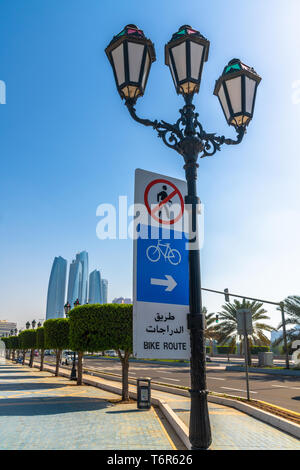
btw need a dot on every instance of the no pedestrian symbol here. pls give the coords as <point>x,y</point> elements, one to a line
<point>164,201</point>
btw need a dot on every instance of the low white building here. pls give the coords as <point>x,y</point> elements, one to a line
<point>6,327</point>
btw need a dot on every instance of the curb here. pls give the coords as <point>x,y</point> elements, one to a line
<point>290,373</point>
<point>178,426</point>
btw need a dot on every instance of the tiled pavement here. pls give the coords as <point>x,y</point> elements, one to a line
<point>234,430</point>
<point>40,411</point>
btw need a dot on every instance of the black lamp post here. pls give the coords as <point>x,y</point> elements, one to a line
<point>73,371</point>
<point>39,324</point>
<point>33,323</point>
<point>131,54</point>
<point>16,331</point>
<point>27,325</point>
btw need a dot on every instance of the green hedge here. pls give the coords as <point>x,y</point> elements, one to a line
<point>27,339</point>
<point>257,349</point>
<point>226,349</point>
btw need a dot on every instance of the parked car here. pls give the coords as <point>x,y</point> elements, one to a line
<point>111,353</point>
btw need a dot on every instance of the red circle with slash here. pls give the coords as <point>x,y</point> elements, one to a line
<point>152,212</point>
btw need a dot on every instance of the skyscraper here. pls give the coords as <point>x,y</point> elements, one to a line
<point>78,279</point>
<point>95,296</point>
<point>56,289</point>
<point>104,288</point>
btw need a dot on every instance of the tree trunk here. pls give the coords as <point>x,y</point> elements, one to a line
<point>58,354</point>
<point>31,358</point>
<point>125,367</point>
<point>42,359</point>
<point>13,355</point>
<point>79,368</point>
<point>211,347</point>
<point>24,354</point>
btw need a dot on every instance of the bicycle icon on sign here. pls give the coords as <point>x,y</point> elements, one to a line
<point>163,249</point>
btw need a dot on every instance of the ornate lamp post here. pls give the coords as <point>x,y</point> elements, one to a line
<point>33,323</point>
<point>27,325</point>
<point>39,324</point>
<point>131,55</point>
<point>73,371</point>
<point>67,308</point>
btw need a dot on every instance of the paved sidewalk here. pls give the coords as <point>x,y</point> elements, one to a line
<point>233,430</point>
<point>126,427</point>
<point>40,411</point>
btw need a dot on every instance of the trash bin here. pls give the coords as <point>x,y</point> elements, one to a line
<point>144,393</point>
<point>265,359</point>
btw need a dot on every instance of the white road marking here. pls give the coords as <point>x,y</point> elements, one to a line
<point>168,378</point>
<point>285,386</point>
<point>215,378</point>
<point>238,390</point>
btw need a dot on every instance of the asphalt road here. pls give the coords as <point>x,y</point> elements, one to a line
<point>279,390</point>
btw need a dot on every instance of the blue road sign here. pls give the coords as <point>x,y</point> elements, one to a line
<point>163,271</point>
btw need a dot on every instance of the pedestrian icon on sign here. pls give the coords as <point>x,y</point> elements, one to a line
<point>161,196</point>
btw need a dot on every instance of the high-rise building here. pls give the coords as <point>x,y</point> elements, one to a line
<point>56,289</point>
<point>95,296</point>
<point>104,288</point>
<point>78,279</point>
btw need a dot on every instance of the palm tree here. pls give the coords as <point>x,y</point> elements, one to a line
<point>227,329</point>
<point>292,308</point>
<point>210,332</point>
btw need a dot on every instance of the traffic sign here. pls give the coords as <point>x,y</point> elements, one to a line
<point>244,321</point>
<point>160,195</point>
<point>161,271</point>
<point>163,198</point>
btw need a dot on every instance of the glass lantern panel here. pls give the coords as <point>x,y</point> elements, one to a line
<point>135,55</point>
<point>179,55</point>
<point>146,69</point>
<point>250,90</point>
<point>196,58</point>
<point>234,87</point>
<point>172,72</point>
<point>222,98</point>
<point>118,59</point>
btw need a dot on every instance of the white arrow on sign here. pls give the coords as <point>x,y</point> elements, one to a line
<point>169,282</point>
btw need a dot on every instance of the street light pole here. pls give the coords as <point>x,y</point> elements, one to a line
<point>131,55</point>
<point>287,362</point>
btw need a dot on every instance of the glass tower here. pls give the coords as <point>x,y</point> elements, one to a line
<point>104,288</point>
<point>56,289</point>
<point>78,279</point>
<point>95,296</point>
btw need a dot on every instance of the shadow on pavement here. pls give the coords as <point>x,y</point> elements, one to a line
<point>50,405</point>
<point>28,386</point>
<point>18,377</point>
<point>126,411</point>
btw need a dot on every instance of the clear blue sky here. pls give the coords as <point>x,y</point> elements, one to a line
<point>67,144</point>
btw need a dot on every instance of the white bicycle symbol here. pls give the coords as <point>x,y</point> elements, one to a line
<point>155,252</point>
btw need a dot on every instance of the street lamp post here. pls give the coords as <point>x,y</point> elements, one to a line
<point>67,308</point>
<point>33,323</point>
<point>27,325</point>
<point>73,372</point>
<point>131,54</point>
